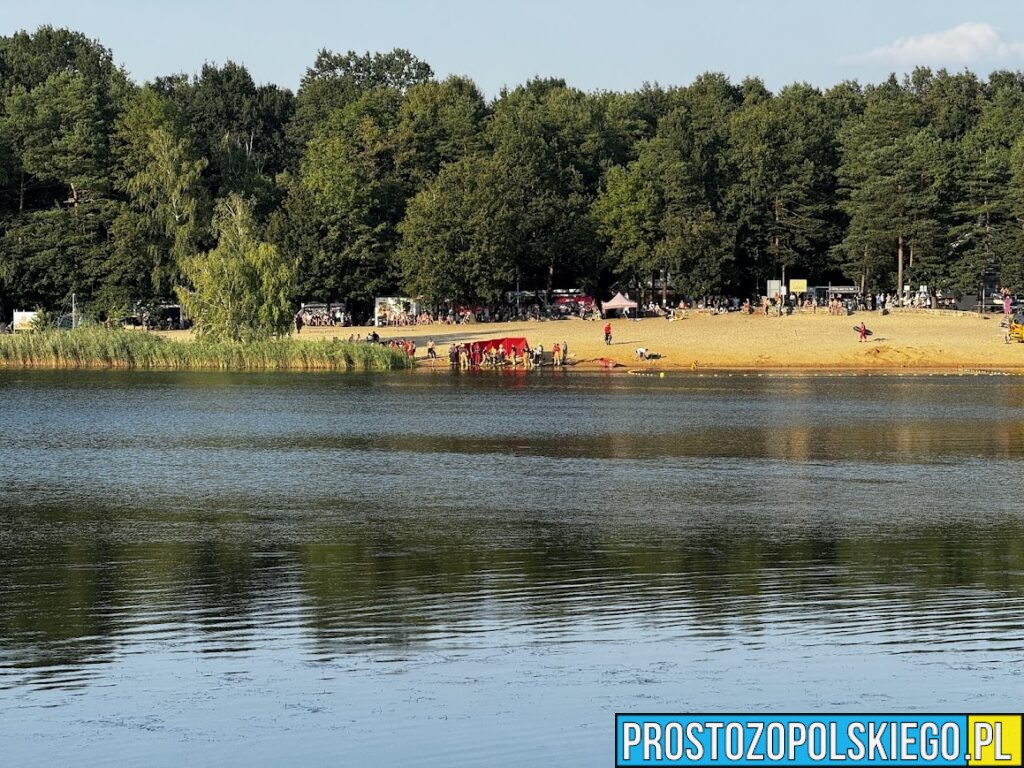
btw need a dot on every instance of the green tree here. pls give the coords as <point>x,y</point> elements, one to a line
<point>29,58</point>
<point>458,234</point>
<point>952,103</point>
<point>349,174</point>
<point>783,200</point>
<point>484,225</point>
<point>56,235</point>
<point>628,213</point>
<point>47,255</point>
<point>105,186</point>
<point>656,217</point>
<point>56,130</point>
<point>238,127</point>
<point>438,123</point>
<point>296,229</point>
<point>668,211</point>
<point>336,80</point>
<point>357,174</point>
<point>161,175</point>
<point>894,175</point>
<point>555,138</point>
<point>987,235</point>
<point>1010,257</point>
<point>240,290</point>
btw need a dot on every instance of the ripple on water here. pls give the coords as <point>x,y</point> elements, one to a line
<point>449,558</point>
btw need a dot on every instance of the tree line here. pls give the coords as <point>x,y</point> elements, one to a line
<point>376,177</point>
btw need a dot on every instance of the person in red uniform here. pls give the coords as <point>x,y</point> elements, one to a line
<point>607,333</point>
<point>863,330</point>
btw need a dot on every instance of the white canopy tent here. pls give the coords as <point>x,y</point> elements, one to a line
<point>618,301</point>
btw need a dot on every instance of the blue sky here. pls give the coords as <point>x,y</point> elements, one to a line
<point>594,45</point>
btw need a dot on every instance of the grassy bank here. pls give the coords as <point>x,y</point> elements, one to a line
<point>102,348</point>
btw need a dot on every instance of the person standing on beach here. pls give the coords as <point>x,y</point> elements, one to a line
<point>431,351</point>
<point>565,351</point>
<point>556,354</point>
<point>607,333</point>
<point>863,330</point>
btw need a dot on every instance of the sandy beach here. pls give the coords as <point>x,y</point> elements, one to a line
<point>912,340</point>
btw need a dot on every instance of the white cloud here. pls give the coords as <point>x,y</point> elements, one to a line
<point>963,44</point>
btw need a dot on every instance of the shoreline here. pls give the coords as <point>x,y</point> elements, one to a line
<point>903,343</point>
<point>905,340</point>
<point>620,373</point>
<point>587,367</point>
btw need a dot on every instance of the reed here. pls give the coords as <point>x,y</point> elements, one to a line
<point>96,347</point>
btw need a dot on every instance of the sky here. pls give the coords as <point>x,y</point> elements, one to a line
<point>593,44</point>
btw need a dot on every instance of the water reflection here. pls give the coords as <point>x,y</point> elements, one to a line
<point>74,599</point>
<point>418,521</point>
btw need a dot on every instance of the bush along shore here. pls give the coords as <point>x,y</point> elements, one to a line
<point>101,348</point>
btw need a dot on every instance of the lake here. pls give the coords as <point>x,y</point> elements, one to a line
<point>482,569</point>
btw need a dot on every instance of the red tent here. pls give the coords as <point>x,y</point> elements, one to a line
<point>508,344</point>
<point>585,301</point>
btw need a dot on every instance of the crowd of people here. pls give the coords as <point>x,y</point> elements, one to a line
<point>782,304</point>
<point>396,319</point>
<point>320,316</point>
<point>408,346</point>
<point>489,313</point>
<point>482,355</point>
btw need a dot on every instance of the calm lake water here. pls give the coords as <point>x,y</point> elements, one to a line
<point>425,569</point>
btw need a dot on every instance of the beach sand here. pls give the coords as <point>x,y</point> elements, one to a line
<point>913,340</point>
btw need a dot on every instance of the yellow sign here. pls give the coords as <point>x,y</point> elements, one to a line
<point>798,286</point>
<point>994,740</point>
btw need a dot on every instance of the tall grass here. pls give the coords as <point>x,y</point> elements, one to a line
<point>95,347</point>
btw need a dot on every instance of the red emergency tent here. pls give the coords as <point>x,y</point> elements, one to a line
<point>508,344</point>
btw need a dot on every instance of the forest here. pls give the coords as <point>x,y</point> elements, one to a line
<point>376,177</point>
